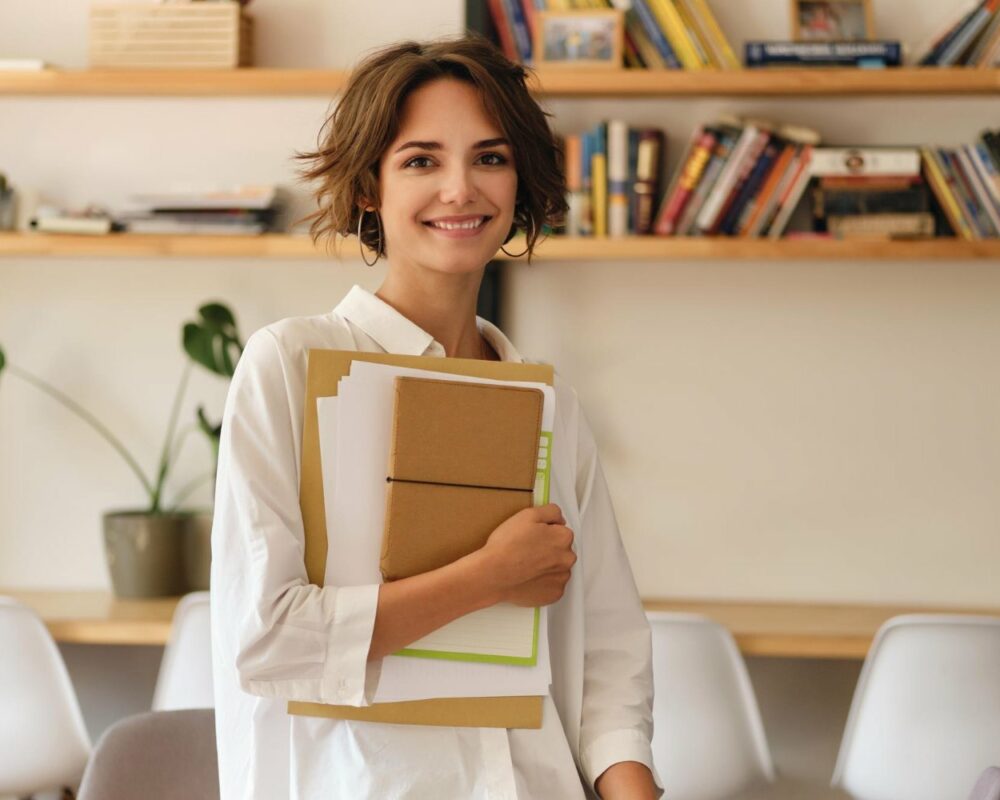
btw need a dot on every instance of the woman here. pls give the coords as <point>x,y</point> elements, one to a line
<point>434,156</point>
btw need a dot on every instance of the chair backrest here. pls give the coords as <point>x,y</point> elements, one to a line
<point>185,678</point>
<point>925,719</point>
<point>159,755</point>
<point>43,739</point>
<point>708,738</point>
<point>988,785</point>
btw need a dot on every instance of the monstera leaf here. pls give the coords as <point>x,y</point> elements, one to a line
<point>213,341</point>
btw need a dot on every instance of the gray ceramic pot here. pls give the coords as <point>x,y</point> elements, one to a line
<point>198,550</point>
<point>145,553</point>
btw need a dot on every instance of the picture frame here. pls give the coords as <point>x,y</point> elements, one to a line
<point>579,39</point>
<point>832,20</point>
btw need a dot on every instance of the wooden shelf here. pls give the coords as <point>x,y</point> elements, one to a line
<point>783,630</point>
<point>646,248</point>
<point>552,82</point>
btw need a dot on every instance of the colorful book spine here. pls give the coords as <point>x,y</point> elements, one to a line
<point>946,199</point>
<point>504,31</point>
<point>865,161</point>
<point>522,37</point>
<point>734,216</point>
<point>586,184</point>
<point>649,155</point>
<point>962,191</point>
<point>747,169</point>
<point>770,196</point>
<point>690,172</point>
<point>723,50</point>
<point>728,136</point>
<point>933,55</point>
<point>701,46</point>
<point>599,181</point>
<point>789,201</point>
<point>709,214</point>
<point>655,34</point>
<point>617,178</point>
<point>967,35</point>
<point>791,54</point>
<point>755,207</point>
<point>573,158</point>
<point>673,27</point>
<point>980,194</point>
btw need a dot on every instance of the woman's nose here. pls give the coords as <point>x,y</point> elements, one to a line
<point>459,186</point>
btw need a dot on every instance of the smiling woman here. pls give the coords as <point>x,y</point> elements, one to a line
<point>435,156</point>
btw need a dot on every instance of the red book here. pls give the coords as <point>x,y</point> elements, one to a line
<point>690,173</point>
<point>504,30</point>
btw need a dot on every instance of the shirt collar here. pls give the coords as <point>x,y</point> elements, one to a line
<point>396,333</point>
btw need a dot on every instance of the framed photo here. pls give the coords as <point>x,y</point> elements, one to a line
<point>579,39</point>
<point>832,20</point>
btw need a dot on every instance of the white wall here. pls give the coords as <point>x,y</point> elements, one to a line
<point>817,431</point>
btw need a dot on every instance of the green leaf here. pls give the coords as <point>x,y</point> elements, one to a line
<point>214,342</point>
<point>218,316</point>
<point>3,360</point>
<point>213,432</point>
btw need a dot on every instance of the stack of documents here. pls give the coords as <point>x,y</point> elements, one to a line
<point>366,433</point>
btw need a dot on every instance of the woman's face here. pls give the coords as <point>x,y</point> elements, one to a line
<point>448,182</point>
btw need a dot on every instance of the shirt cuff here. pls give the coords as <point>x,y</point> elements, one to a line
<point>613,747</point>
<point>350,639</point>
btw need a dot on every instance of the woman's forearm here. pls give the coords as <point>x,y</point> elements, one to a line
<point>626,780</point>
<point>410,608</point>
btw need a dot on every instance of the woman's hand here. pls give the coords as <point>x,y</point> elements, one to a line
<point>528,558</point>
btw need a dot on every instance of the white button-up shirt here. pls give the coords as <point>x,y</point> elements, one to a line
<point>276,637</point>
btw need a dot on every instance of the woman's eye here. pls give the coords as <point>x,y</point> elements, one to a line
<point>494,159</point>
<point>418,161</point>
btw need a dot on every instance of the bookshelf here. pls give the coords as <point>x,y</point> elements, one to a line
<point>635,248</point>
<point>258,82</point>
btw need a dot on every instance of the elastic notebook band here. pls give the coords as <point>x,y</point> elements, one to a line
<point>462,485</point>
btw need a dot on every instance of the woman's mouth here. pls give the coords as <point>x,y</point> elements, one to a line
<point>458,227</point>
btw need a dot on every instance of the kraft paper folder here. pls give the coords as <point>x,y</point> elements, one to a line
<point>326,368</point>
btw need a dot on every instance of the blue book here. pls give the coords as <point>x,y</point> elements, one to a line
<point>963,40</point>
<point>751,186</point>
<point>789,54</point>
<point>933,57</point>
<point>655,34</point>
<point>520,27</point>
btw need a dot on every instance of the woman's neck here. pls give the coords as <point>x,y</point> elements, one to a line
<point>442,305</point>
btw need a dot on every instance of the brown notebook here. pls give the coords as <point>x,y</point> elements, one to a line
<point>463,460</point>
<point>326,368</point>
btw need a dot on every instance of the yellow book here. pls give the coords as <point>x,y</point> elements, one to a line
<point>599,193</point>
<point>673,26</point>
<point>702,46</point>
<point>710,25</point>
<point>942,191</point>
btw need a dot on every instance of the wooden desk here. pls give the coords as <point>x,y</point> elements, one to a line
<point>785,630</point>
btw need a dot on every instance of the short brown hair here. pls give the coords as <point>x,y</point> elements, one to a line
<point>366,121</point>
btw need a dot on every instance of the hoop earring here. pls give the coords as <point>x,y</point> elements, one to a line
<point>511,255</point>
<point>361,244</point>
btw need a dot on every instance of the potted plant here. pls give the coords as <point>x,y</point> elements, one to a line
<point>146,548</point>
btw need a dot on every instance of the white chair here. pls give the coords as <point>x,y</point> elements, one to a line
<point>925,719</point>
<point>43,741</point>
<point>708,738</point>
<point>185,678</point>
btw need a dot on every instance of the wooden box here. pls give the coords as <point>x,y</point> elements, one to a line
<point>195,35</point>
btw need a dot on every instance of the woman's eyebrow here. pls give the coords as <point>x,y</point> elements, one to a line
<point>438,146</point>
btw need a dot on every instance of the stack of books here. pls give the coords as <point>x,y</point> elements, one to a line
<point>973,41</point>
<point>738,178</point>
<point>659,34</point>
<point>966,182</point>
<point>612,179</point>
<point>239,211</point>
<point>870,193</point>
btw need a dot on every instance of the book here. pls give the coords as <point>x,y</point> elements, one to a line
<point>761,54</point>
<point>958,190</point>
<point>932,55</point>
<point>696,36</point>
<point>650,155</point>
<point>618,203</point>
<point>733,216</point>
<point>984,202</point>
<point>689,173</point>
<point>952,53</point>
<point>880,225</point>
<point>728,136</point>
<point>655,33</point>
<point>503,25</point>
<point>865,161</point>
<point>574,184</point>
<point>758,206</point>
<point>789,200</point>
<point>747,146</point>
<point>670,21</point>
<point>712,32</point>
<point>23,65</point>
<point>769,204</point>
<point>946,200</point>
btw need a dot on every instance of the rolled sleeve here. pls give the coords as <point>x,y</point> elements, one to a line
<point>616,720</point>
<point>276,634</point>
